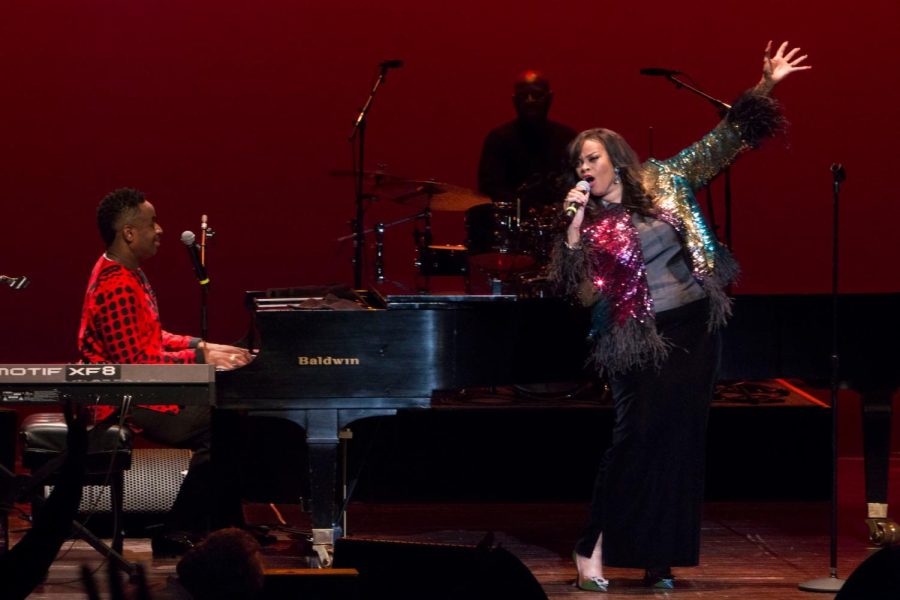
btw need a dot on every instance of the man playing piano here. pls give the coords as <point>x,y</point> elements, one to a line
<point>120,324</point>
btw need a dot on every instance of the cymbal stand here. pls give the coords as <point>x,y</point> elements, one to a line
<point>418,215</point>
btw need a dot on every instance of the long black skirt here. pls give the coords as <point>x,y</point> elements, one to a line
<point>648,496</point>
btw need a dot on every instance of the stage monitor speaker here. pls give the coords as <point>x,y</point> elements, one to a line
<point>311,584</point>
<point>409,570</point>
<point>876,578</point>
<point>8,420</point>
<point>151,484</point>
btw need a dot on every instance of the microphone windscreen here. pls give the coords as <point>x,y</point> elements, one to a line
<point>188,238</point>
<point>582,185</point>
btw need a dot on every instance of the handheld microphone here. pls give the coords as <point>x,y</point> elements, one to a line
<point>188,239</point>
<point>572,209</point>
<point>16,283</point>
<point>656,72</point>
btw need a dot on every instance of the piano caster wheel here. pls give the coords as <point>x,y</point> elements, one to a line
<point>325,554</point>
<point>323,545</point>
<point>883,532</point>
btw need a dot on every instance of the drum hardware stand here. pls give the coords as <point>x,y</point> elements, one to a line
<point>832,583</point>
<point>496,286</point>
<point>379,230</point>
<point>379,252</point>
<point>359,130</point>
<point>423,239</point>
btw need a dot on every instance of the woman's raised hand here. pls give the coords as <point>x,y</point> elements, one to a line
<point>785,62</point>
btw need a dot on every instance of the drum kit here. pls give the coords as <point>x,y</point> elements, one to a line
<point>506,242</point>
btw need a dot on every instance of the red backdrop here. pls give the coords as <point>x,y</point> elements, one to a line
<point>240,109</point>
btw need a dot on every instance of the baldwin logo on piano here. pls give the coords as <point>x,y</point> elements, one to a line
<point>326,361</point>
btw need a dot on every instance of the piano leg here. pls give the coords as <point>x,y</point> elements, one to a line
<point>876,409</point>
<point>321,427</point>
<point>322,442</point>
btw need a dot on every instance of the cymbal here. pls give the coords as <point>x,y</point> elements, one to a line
<point>373,178</point>
<point>412,191</point>
<point>456,198</point>
<point>397,189</point>
<point>444,196</point>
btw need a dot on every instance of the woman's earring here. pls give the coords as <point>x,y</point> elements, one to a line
<point>617,179</point>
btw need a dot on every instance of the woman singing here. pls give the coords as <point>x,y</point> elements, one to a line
<point>639,252</point>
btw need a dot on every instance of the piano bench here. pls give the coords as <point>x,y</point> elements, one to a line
<point>108,457</point>
<point>44,438</point>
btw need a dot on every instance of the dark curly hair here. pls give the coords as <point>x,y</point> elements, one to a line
<point>112,208</point>
<point>225,566</point>
<point>634,197</point>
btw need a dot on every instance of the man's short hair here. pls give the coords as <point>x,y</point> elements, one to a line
<point>111,210</point>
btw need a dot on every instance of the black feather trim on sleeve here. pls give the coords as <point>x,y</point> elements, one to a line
<point>568,268</point>
<point>757,117</point>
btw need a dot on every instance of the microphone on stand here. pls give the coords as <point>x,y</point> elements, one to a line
<point>189,239</point>
<point>838,172</point>
<point>657,72</point>
<point>391,64</point>
<point>585,186</point>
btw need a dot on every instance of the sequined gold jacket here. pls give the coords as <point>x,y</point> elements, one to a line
<point>609,259</point>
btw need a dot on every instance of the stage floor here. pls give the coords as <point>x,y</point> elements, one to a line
<point>449,476</point>
<point>750,549</point>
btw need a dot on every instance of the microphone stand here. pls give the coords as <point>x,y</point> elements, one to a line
<point>722,107</point>
<point>359,130</point>
<point>206,233</point>
<point>832,583</point>
<point>204,302</point>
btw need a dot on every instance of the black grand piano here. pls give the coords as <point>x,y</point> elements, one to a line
<point>324,369</point>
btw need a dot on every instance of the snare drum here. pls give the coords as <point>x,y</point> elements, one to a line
<point>497,242</point>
